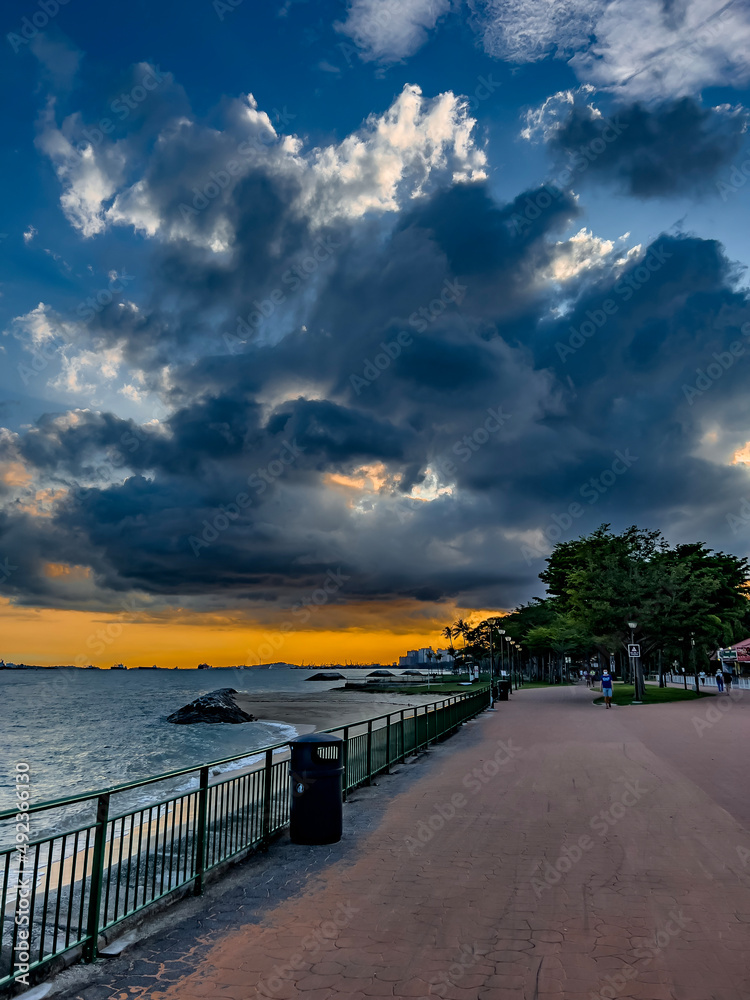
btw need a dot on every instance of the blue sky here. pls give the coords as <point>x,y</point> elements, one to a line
<point>402,149</point>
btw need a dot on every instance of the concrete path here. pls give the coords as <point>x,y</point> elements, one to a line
<point>553,849</point>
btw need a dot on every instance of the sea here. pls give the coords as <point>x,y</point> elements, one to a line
<point>84,730</point>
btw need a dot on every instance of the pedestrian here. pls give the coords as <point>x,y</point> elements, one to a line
<point>728,678</point>
<point>703,676</point>
<point>607,687</point>
<point>588,679</point>
<point>719,680</point>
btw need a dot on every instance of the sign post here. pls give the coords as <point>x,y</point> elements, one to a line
<point>634,652</point>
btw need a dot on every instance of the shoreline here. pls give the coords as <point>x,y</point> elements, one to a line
<point>329,709</point>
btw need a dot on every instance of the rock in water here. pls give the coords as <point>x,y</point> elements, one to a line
<point>216,706</point>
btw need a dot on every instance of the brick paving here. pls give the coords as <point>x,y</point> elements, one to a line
<point>550,850</point>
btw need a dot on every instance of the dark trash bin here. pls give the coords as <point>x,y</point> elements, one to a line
<point>316,769</point>
<point>503,690</point>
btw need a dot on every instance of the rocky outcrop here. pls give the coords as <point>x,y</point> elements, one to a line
<point>216,706</point>
<point>327,675</point>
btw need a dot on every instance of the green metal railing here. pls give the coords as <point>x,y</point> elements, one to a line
<point>71,884</point>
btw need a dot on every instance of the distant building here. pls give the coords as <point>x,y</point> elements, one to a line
<point>419,657</point>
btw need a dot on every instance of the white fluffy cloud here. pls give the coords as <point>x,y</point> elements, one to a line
<point>641,49</point>
<point>390,30</point>
<point>417,145</point>
<point>543,120</point>
<point>89,177</point>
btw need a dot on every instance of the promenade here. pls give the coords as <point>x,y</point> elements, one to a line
<point>550,850</point>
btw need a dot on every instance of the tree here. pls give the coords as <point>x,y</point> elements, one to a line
<point>563,635</point>
<point>605,580</point>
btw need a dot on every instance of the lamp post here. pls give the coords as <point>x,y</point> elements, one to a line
<point>692,660</point>
<point>491,624</point>
<point>635,663</point>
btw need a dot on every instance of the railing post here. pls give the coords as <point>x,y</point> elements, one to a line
<point>388,745</point>
<point>369,751</point>
<point>200,849</point>
<point>403,738</point>
<point>267,789</point>
<point>97,878</point>
<point>346,760</point>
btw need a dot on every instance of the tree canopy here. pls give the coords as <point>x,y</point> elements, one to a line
<point>680,597</point>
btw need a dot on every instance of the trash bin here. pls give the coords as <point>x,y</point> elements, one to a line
<point>503,690</point>
<point>316,770</point>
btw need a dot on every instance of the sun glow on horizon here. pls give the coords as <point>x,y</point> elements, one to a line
<point>176,637</point>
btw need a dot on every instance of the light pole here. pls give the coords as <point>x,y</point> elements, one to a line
<point>635,663</point>
<point>692,660</point>
<point>501,633</point>
<point>491,624</point>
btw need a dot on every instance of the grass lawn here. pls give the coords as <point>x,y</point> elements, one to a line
<point>622,694</point>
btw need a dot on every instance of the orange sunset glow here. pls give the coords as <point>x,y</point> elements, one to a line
<point>366,633</point>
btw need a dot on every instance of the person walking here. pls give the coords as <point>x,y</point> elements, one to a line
<point>728,678</point>
<point>719,680</point>
<point>607,687</point>
<point>703,676</point>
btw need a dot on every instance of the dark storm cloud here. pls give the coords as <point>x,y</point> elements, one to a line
<point>245,490</point>
<point>678,148</point>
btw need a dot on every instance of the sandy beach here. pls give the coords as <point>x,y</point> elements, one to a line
<point>325,709</point>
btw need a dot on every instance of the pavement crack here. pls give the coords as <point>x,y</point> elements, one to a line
<point>536,978</point>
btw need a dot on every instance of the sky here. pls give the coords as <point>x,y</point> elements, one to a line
<point>323,322</point>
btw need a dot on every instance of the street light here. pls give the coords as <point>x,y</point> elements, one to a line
<point>634,665</point>
<point>491,624</point>
<point>692,663</point>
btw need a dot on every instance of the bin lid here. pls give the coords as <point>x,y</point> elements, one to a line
<point>317,738</point>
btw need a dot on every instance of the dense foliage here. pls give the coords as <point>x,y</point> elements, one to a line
<point>686,600</point>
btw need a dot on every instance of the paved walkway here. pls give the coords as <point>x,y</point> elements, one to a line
<point>552,849</point>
